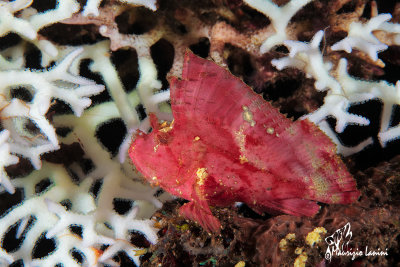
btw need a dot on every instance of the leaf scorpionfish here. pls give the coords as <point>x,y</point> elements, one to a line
<point>227,144</point>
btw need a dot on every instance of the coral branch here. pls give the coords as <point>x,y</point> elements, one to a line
<point>92,6</point>
<point>56,83</point>
<point>6,159</point>
<point>360,37</point>
<point>280,17</point>
<point>308,57</point>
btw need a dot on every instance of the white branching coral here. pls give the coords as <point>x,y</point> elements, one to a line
<point>34,213</point>
<point>340,148</point>
<point>96,216</point>
<point>29,22</point>
<point>42,209</point>
<point>64,9</point>
<point>359,91</point>
<point>30,132</point>
<point>9,23</point>
<point>95,234</point>
<point>92,6</point>
<point>360,36</point>
<point>66,218</point>
<point>309,59</point>
<point>122,226</point>
<point>280,18</point>
<point>147,93</point>
<point>57,83</point>
<point>5,258</point>
<point>100,223</point>
<point>343,91</point>
<point>67,244</point>
<point>6,159</point>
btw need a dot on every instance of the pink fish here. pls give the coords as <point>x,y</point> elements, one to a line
<point>227,144</point>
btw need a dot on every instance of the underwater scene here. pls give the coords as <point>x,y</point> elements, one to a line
<point>209,133</point>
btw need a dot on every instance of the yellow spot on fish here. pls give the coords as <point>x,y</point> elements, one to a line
<point>291,130</point>
<point>156,147</point>
<point>196,138</point>
<point>270,130</point>
<point>320,186</point>
<point>165,127</point>
<point>201,175</point>
<point>240,264</point>
<point>155,180</point>
<point>241,139</point>
<point>243,159</point>
<point>248,116</point>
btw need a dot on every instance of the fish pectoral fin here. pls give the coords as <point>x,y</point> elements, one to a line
<point>200,212</point>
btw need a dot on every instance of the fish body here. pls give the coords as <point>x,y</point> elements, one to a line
<point>227,144</point>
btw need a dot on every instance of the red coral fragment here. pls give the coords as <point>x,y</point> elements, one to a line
<point>227,144</point>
